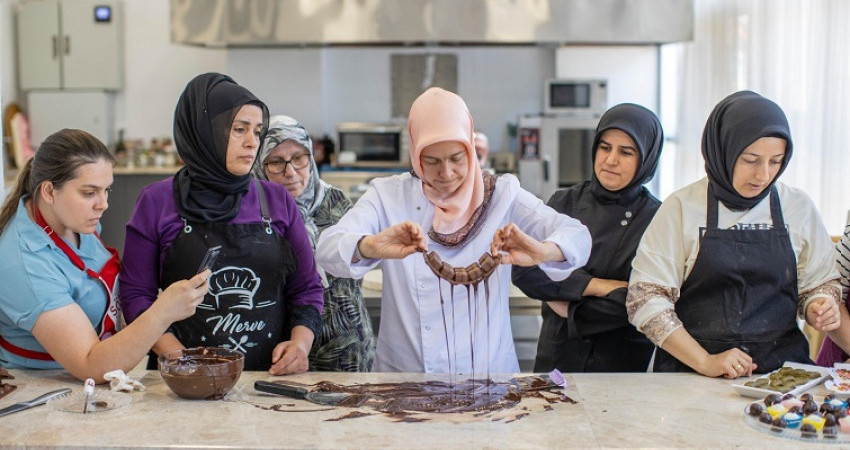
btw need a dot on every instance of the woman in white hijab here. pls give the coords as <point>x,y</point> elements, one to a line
<point>346,342</point>
<point>425,325</point>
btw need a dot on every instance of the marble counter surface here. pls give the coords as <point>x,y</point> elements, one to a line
<point>613,410</point>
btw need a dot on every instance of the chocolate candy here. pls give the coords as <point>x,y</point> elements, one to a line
<point>808,430</point>
<point>810,407</point>
<point>830,432</point>
<point>771,399</point>
<point>829,420</point>
<point>778,424</point>
<point>755,409</point>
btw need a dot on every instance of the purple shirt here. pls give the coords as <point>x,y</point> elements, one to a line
<point>155,224</point>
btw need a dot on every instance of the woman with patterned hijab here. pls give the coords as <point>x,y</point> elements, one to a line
<point>426,325</point>
<point>346,342</point>
<point>730,262</point>
<point>585,326</point>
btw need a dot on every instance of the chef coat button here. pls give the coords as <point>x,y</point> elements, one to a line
<point>421,285</point>
<point>418,208</point>
<point>428,368</point>
<point>427,327</point>
<point>628,214</point>
<point>624,222</point>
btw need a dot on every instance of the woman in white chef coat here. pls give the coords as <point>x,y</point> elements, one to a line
<point>729,262</point>
<point>426,325</point>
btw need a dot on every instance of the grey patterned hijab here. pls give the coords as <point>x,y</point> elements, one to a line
<point>285,128</point>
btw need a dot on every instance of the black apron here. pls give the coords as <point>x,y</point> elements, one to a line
<point>569,348</point>
<point>245,309</point>
<point>742,292</point>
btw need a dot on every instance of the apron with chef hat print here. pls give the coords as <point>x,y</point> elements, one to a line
<point>742,293</point>
<point>244,309</point>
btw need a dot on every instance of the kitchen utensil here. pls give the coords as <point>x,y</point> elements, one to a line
<point>88,390</point>
<point>40,400</point>
<point>102,401</point>
<point>321,398</point>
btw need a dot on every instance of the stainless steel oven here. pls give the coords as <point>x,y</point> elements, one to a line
<point>555,152</point>
<point>372,144</point>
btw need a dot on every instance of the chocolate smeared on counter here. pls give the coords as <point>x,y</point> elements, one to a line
<point>474,400</point>
<point>6,388</point>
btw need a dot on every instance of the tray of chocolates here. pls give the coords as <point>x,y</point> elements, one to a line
<point>793,378</point>
<point>793,417</point>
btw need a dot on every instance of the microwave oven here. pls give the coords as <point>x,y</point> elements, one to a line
<point>586,97</point>
<point>372,144</point>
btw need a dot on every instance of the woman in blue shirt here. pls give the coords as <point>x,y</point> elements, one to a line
<point>57,305</point>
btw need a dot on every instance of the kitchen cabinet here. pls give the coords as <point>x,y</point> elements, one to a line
<point>70,44</point>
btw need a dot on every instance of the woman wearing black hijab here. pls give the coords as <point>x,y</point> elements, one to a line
<point>265,295</point>
<point>730,261</point>
<point>585,326</point>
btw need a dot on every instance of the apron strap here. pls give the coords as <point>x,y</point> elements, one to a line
<point>107,274</point>
<point>775,210</point>
<point>264,206</point>
<point>711,210</point>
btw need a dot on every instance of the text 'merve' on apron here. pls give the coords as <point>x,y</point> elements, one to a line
<point>244,309</point>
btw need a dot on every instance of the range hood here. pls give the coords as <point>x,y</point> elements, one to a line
<point>298,23</point>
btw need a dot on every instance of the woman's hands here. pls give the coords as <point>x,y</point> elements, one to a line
<point>291,356</point>
<point>561,308</point>
<point>179,300</point>
<point>395,242</point>
<point>513,246</point>
<point>732,363</point>
<point>823,314</point>
<point>600,287</point>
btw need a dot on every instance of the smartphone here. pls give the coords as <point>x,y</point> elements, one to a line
<point>209,258</point>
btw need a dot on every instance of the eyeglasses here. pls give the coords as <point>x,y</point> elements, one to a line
<point>279,165</point>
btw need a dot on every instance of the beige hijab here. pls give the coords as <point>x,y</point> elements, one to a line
<point>438,116</point>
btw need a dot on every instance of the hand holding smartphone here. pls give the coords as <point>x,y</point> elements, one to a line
<point>209,258</point>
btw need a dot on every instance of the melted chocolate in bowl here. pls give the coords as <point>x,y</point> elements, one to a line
<point>201,372</point>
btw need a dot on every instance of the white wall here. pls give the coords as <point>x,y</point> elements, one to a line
<point>322,87</point>
<point>155,70</point>
<point>632,71</point>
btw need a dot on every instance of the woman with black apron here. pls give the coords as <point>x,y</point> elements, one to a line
<point>730,262</point>
<point>585,326</point>
<point>265,296</point>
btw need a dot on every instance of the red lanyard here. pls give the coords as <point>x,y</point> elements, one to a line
<point>107,275</point>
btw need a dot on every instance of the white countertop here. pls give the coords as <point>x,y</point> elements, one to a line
<point>613,410</point>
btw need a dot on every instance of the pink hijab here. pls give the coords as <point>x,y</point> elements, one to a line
<point>438,116</point>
